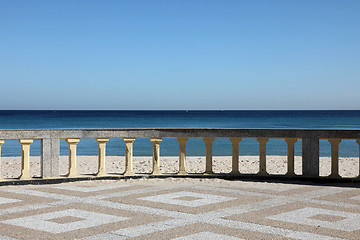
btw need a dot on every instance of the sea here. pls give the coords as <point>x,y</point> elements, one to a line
<point>85,119</point>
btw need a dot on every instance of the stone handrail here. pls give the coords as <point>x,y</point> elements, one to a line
<point>50,148</point>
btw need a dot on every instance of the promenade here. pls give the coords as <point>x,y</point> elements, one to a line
<point>180,208</point>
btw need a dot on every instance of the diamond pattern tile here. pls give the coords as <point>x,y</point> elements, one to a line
<point>348,221</point>
<point>43,222</point>
<point>179,210</point>
<point>198,199</point>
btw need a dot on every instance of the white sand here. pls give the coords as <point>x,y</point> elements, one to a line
<point>348,167</point>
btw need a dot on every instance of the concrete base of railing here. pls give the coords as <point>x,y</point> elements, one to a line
<point>243,177</point>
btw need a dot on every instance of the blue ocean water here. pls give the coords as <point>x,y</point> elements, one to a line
<point>181,119</point>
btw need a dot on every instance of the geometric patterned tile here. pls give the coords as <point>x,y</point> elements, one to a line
<point>8,200</point>
<point>356,198</point>
<point>188,200</point>
<point>89,188</point>
<point>214,209</point>
<point>207,235</point>
<point>329,221</point>
<point>85,190</point>
<point>328,218</point>
<point>71,221</point>
<point>2,237</point>
<point>351,196</point>
<point>65,219</point>
<point>207,231</point>
<point>348,221</point>
<point>269,186</point>
<point>194,199</point>
<point>45,222</point>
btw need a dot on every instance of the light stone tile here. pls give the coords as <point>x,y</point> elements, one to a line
<point>153,227</point>
<point>42,221</point>
<point>43,194</point>
<point>232,190</point>
<point>207,235</point>
<point>28,207</point>
<point>202,199</point>
<point>8,200</point>
<point>105,236</point>
<point>355,198</point>
<point>269,229</point>
<point>141,209</point>
<point>221,213</point>
<point>7,238</point>
<point>277,187</point>
<point>133,192</point>
<point>182,219</point>
<point>320,193</point>
<point>89,188</point>
<point>304,216</point>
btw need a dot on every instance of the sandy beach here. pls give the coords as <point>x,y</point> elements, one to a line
<point>10,166</point>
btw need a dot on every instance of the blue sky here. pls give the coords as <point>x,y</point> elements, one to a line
<point>180,54</point>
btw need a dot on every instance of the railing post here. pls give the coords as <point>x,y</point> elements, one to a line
<point>291,156</point>
<point>334,157</point>
<point>235,155</point>
<point>1,143</point>
<point>208,146</point>
<point>310,156</point>
<point>25,159</point>
<point>50,155</point>
<point>182,154</point>
<point>72,156</point>
<point>358,142</point>
<point>156,155</point>
<point>129,156</point>
<point>102,153</point>
<point>262,155</point>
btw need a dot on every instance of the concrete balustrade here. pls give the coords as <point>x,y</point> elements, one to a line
<point>262,155</point>
<point>182,155</point>
<point>128,156</point>
<point>25,159</point>
<point>156,155</point>
<point>50,148</point>
<point>291,156</point>
<point>208,145</point>
<point>72,156</point>
<point>358,142</point>
<point>1,143</point>
<point>235,155</point>
<point>102,152</point>
<point>334,157</point>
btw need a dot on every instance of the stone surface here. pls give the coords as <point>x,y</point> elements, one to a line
<point>180,209</point>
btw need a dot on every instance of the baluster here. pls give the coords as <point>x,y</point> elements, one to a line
<point>129,156</point>
<point>334,157</point>
<point>25,159</point>
<point>262,155</point>
<point>358,142</point>
<point>182,154</point>
<point>1,143</point>
<point>72,142</point>
<point>235,155</point>
<point>208,146</point>
<point>102,154</point>
<point>291,155</point>
<point>156,155</point>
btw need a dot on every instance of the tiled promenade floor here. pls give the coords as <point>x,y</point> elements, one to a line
<point>179,209</point>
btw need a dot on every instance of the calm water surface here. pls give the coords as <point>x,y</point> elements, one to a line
<point>181,119</point>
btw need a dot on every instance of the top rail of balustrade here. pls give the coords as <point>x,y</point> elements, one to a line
<point>178,132</point>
